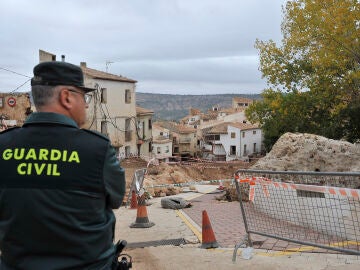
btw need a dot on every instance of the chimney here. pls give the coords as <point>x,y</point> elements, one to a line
<point>63,58</point>
<point>83,64</point>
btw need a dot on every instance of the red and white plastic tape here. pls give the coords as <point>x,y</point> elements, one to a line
<point>264,182</point>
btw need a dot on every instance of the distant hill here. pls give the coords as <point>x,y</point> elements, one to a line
<point>175,107</point>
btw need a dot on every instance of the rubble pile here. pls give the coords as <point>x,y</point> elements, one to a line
<point>309,152</point>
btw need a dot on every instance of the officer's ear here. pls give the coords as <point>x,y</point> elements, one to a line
<point>65,98</point>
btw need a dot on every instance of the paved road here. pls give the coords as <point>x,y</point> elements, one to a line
<point>186,224</point>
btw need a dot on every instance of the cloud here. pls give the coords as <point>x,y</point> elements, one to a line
<point>198,45</point>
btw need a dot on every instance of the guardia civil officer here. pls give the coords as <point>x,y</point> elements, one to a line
<point>58,183</point>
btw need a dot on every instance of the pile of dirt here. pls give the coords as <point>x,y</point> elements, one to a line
<point>177,173</point>
<point>309,152</point>
<point>191,172</point>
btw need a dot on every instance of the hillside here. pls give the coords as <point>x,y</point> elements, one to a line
<point>175,107</point>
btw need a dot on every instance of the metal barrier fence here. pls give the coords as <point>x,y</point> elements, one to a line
<point>308,208</point>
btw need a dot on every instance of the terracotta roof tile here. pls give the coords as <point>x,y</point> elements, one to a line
<point>218,129</point>
<point>140,110</point>
<point>223,127</point>
<point>96,74</point>
<point>243,100</point>
<point>243,126</point>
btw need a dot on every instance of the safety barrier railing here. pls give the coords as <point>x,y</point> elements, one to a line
<point>308,208</point>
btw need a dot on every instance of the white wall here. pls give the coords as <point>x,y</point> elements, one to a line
<point>165,150</point>
<point>333,214</point>
<point>114,112</point>
<point>239,141</point>
<point>156,132</point>
<point>249,140</point>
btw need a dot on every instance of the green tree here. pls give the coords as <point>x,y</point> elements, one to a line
<point>314,75</point>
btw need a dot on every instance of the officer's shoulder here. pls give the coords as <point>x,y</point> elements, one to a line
<point>9,130</point>
<point>96,133</point>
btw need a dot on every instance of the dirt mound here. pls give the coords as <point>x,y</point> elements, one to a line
<point>181,173</point>
<point>309,152</point>
<point>177,173</point>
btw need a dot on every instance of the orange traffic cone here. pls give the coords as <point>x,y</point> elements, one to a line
<point>134,203</point>
<point>142,220</point>
<point>208,236</point>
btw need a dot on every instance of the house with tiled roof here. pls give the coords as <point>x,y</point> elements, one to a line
<point>184,139</point>
<point>162,144</point>
<point>112,110</point>
<point>193,119</point>
<point>231,141</point>
<point>241,102</point>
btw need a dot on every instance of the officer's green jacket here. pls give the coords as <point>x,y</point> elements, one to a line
<point>58,186</point>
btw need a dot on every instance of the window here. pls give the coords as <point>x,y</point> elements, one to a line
<point>103,96</point>
<point>245,150</point>
<point>254,132</point>
<point>167,149</point>
<point>232,135</point>
<point>104,128</point>
<point>150,147</point>
<point>161,133</point>
<point>127,96</point>
<point>254,150</point>
<point>217,137</point>
<point>150,124</point>
<point>127,130</point>
<point>143,129</point>
<point>243,134</point>
<point>232,149</point>
<point>158,150</point>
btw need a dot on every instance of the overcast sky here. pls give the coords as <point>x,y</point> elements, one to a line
<point>168,46</point>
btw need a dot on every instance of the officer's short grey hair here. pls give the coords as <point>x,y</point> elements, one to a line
<point>44,94</point>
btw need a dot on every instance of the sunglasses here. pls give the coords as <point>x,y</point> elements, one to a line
<point>87,97</point>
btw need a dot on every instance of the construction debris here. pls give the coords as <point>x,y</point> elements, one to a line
<point>309,152</point>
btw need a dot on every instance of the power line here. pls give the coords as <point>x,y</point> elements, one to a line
<point>17,73</point>
<point>19,86</point>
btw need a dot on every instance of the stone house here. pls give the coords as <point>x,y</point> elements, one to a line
<point>14,108</point>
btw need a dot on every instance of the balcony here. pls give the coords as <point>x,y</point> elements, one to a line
<point>185,140</point>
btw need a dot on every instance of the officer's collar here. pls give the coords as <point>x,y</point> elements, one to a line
<point>49,118</point>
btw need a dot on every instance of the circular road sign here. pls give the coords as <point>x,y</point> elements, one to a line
<point>11,102</point>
